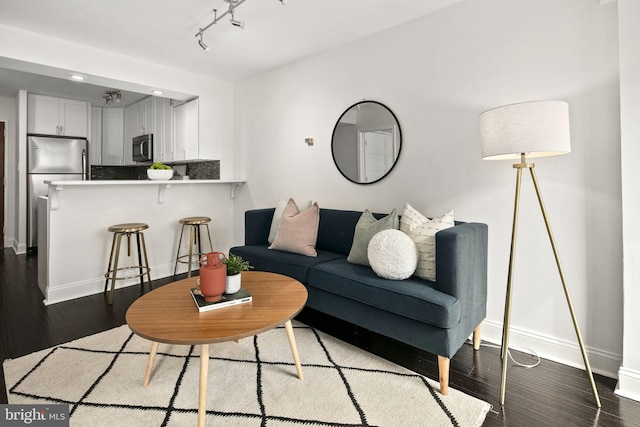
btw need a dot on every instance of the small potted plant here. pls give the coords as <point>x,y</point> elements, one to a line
<point>235,265</point>
<point>159,170</point>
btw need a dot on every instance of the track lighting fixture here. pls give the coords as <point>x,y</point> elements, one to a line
<point>202,44</point>
<point>233,4</point>
<point>112,96</point>
<point>235,23</point>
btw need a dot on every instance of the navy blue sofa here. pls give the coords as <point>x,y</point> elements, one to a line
<point>437,317</point>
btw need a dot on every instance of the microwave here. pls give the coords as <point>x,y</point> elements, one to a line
<point>143,148</point>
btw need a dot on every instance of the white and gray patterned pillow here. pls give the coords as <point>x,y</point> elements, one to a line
<point>422,231</point>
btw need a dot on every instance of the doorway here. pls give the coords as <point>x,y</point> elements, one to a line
<point>2,139</point>
<point>375,154</point>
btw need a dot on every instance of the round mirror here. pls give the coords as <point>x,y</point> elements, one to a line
<point>366,142</point>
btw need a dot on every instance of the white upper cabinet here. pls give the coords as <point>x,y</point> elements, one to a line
<point>95,141</point>
<point>57,116</point>
<point>139,118</point>
<point>185,131</point>
<point>131,129</point>
<point>112,137</point>
<point>162,147</point>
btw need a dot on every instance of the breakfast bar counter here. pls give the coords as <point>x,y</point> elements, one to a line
<point>74,243</point>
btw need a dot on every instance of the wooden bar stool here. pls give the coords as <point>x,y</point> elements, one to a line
<point>194,223</point>
<point>127,230</point>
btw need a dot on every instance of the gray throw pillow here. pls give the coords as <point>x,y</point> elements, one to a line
<point>367,227</point>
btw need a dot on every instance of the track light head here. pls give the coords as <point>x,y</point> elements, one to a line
<point>112,96</point>
<point>283,2</point>
<point>238,24</point>
<point>202,44</point>
<point>233,21</point>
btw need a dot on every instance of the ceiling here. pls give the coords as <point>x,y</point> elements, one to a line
<point>163,31</point>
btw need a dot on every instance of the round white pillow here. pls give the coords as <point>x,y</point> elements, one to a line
<point>392,255</point>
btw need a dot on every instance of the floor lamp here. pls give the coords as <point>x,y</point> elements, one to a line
<point>518,131</point>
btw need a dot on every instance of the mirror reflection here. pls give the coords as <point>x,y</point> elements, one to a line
<point>366,142</point>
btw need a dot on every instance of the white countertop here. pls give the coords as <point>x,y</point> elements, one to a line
<point>161,185</point>
<point>145,182</point>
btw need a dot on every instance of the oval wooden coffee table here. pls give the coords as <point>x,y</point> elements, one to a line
<point>169,315</point>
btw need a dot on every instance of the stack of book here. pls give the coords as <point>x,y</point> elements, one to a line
<point>227,300</point>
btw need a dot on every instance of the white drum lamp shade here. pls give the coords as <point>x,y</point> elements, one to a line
<point>537,129</point>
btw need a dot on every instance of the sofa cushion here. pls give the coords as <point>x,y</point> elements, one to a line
<point>413,298</point>
<point>367,227</point>
<point>335,232</point>
<point>298,230</point>
<point>292,265</point>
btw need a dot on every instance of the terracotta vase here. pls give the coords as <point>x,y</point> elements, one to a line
<point>213,276</point>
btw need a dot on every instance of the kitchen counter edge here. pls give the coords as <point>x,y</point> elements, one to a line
<point>146,182</point>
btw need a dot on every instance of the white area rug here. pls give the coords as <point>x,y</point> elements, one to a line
<point>251,383</point>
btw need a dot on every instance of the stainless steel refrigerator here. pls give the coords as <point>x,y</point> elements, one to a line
<point>51,158</point>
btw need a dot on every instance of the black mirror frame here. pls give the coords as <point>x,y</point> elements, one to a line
<point>399,145</point>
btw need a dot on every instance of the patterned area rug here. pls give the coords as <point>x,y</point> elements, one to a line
<point>251,383</point>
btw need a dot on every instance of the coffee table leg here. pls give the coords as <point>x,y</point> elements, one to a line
<point>204,372</point>
<point>294,348</point>
<point>152,357</point>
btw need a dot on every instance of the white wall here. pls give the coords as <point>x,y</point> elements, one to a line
<point>629,14</point>
<point>8,115</point>
<point>87,242</point>
<point>18,169</point>
<point>437,74</point>
<point>216,97</point>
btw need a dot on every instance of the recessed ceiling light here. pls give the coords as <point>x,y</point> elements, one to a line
<point>157,92</point>
<point>77,77</point>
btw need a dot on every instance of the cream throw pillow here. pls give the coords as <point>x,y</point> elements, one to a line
<point>277,215</point>
<point>422,231</point>
<point>298,231</point>
<point>393,255</point>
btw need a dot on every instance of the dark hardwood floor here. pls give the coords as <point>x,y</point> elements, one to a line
<point>548,395</point>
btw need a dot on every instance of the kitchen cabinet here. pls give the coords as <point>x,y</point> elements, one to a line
<point>185,131</point>
<point>113,137</point>
<point>57,116</point>
<point>151,115</point>
<point>139,117</point>
<point>162,146</point>
<point>130,130</point>
<point>95,140</point>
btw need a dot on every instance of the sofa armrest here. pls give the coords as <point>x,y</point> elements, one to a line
<point>257,223</point>
<point>461,263</point>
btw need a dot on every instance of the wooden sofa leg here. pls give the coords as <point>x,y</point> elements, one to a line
<point>476,337</point>
<point>443,371</point>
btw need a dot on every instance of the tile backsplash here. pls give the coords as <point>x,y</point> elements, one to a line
<point>205,169</point>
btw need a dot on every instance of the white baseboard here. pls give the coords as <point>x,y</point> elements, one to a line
<point>628,383</point>
<point>96,286</point>
<point>565,352</point>
<point>19,248</point>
